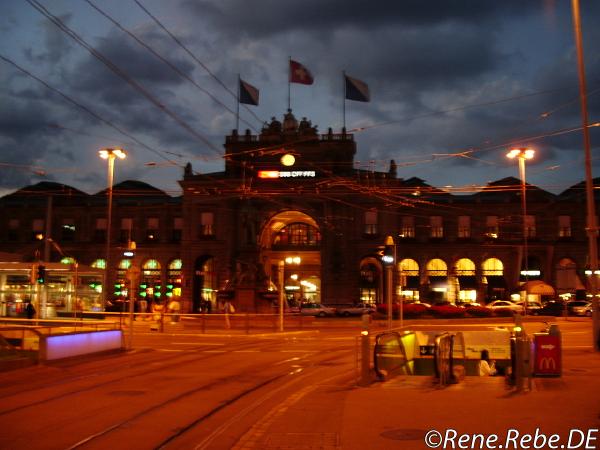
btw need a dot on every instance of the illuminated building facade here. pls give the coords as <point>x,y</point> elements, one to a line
<point>293,207</point>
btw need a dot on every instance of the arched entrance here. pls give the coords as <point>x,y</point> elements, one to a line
<point>290,254</point>
<point>493,276</point>
<point>204,285</point>
<point>568,283</point>
<point>437,278</point>
<point>465,281</point>
<point>410,280</point>
<point>371,281</point>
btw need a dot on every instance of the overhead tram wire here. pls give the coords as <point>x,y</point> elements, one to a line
<point>121,73</point>
<point>166,61</point>
<point>195,58</point>
<point>446,111</point>
<point>85,108</point>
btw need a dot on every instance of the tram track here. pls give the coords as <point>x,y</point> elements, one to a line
<point>165,363</point>
<point>323,362</point>
<point>166,400</point>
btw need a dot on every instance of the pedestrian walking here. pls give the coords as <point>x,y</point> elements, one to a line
<point>30,310</point>
<point>174,308</point>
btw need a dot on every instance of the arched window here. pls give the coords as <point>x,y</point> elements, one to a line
<point>370,274</point>
<point>173,288</point>
<point>297,234</point>
<point>464,267</point>
<point>567,280</point>
<point>410,280</point>
<point>492,266</point>
<point>99,264</point>
<point>150,287</point>
<point>437,268</point>
<point>493,276</point>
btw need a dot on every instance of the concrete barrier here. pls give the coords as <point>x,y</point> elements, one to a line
<point>68,345</point>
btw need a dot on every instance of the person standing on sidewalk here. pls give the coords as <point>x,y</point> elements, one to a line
<point>485,366</point>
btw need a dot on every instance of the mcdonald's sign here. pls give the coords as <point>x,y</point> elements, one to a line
<point>547,359</point>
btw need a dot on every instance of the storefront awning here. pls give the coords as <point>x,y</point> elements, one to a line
<point>496,281</point>
<point>413,282</point>
<point>467,282</point>
<point>537,287</point>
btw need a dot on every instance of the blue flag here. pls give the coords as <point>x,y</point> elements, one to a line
<point>248,94</point>
<point>357,90</point>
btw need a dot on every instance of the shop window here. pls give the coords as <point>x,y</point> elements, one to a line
<point>152,229</point>
<point>67,230</point>
<point>371,222</point>
<point>436,227</point>
<point>407,229</point>
<point>207,224</point>
<point>464,227</point>
<point>564,226</point>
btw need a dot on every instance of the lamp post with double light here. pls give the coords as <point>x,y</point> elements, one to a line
<point>523,154</point>
<point>289,260</point>
<point>592,225</point>
<point>388,259</point>
<point>110,154</point>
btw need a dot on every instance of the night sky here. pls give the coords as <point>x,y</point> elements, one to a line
<point>454,85</point>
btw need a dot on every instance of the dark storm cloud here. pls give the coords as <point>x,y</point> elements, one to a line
<point>93,77</point>
<point>265,17</point>
<point>25,138</point>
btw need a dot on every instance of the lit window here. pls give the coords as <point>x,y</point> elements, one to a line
<point>530,226</point>
<point>564,226</point>
<point>464,227</point>
<point>207,224</point>
<point>407,229</point>
<point>492,230</point>
<point>437,228</point>
<point>371,222</point>
<point>126,227</point>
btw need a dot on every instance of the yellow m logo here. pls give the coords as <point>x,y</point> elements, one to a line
<point>547,363</point>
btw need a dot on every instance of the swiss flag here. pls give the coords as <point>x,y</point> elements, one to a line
<point>299,73</point>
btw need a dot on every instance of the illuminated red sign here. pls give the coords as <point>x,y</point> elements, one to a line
<point>286,174</point>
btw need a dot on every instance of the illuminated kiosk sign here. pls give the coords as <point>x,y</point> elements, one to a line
<point>286,174</point>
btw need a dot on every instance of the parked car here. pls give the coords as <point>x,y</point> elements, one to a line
<point>354,310</point>
<point>447,309</point>
<point>552,308</point>
<point>505,305</point>
<point>316,309</point>
<point>580,308</point>
<point>533,306</point>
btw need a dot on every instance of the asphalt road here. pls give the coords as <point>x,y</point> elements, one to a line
<point>190,390</point>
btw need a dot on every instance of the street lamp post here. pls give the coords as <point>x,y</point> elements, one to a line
<point>296,260</point>
<point>388,260</point>
<point>109,154</point>
<point>592,228</point>
<point>523,154</point>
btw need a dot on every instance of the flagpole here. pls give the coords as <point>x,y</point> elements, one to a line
<point>344,103</point>
<point>289,82</point>
<point>237,116</point>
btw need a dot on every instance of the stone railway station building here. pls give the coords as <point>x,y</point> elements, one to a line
<point>292,211</point>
